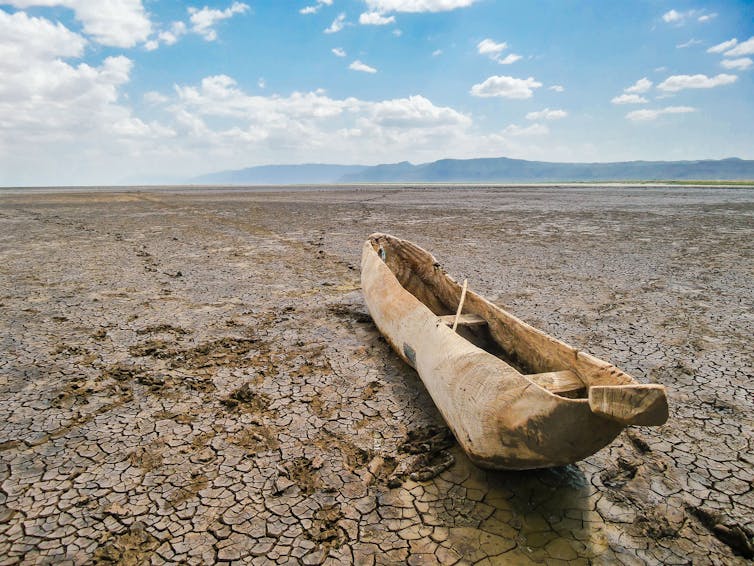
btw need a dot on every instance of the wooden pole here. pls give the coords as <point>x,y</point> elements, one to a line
<point>460,304</point>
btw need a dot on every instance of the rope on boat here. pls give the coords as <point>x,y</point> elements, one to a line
<point>460,304</point>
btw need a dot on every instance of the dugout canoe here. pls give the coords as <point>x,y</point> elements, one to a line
<point>514,397</point>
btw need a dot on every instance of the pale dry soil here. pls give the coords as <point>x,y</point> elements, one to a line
<point>192,376</point>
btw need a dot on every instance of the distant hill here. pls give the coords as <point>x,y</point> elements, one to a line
<point>311,173</point>
<point>502,169</point>
<point>485,170</point>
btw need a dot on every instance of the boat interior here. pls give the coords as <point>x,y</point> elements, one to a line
<point>479,322</point>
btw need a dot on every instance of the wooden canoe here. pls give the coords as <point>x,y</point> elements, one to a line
<point>514,397</point>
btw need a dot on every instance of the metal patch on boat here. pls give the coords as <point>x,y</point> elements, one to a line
<point>410,354</point>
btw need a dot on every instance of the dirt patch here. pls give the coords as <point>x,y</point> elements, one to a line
<point>256,438</point>
<point>304,475</point>
<point>226,352</point>
<point>132,548</point>
<point>162,329</point>
<point>325,530</point>
<point>245,398</point>
<point>423,456</point>
<point>739,538</point>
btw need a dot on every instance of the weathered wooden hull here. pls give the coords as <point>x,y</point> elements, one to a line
<point>500,417</point>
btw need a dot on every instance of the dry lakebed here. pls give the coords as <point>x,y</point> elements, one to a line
<point>191,375</point>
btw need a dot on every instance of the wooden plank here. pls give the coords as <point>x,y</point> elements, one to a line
<point>560,382</point>
<point>464,320</point>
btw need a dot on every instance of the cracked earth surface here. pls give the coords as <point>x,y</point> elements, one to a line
<point>192,376</point>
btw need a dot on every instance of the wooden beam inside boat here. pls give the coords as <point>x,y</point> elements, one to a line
<point>468,320</point>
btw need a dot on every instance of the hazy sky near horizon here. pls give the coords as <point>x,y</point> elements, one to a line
<point>126,91</point>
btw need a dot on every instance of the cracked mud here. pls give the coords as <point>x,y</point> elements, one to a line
<point>192,376</point>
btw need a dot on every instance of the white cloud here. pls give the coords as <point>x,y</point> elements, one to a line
<point>494,51</point>
<point>363,67</point>
<point>556,88</point>
<point>629,99</point>
<point>532,130</point>
<point>688,43</point>
<point>315,7</point>
<point>506,87</point>
<point>154,97</point>
<point>640,86</point>
<point>338,52</point>
<point>337,24</point>
<point>672,16</point>
<point>547,114</point>
<point>680,82</point>
<point>261,83</point>
<point>415,6</point>
<point>437,53</point>
<point>724,46</point>
<point>397,32</point>
<point>413,112</point>
<point>646,115</point>
<point>116,23</point>
<point>680,18</point>
<point>508,59</point>
<point>171,36</point>
<point>743,48</point>
<point>203,21</point>
<point>741,64</point>
<point>24,38</point>
<point>490,47</point>
<point>375,19</point>
<point>312,125</point>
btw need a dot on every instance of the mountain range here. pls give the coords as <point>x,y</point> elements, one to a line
<point>484,170</point>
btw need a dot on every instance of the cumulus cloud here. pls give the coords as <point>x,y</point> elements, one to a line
<point>416,6</point>
<point>629,99</point>
<point>437,53</point>
<point>743,48</point>
<point>494,51</point>
<point>375,19</point>
<point>647,115</point>
<point>547,114</point>
<point>491,47</point>
<point>679,18</point>
<point>338,52</point>
<point>337,24</point>
<point>24,38</point>
<point>556,88</point>
<point>59,115</point>
<point>204,20</point>
<point>741,64</point>
<point>724,46</point>
<point>506,87</point>
<point>362,67</point>
<point>313,9</point>
<point>640,86</point>
<point>312,124</point>
<point>681,82</point>
<point>116,23</point>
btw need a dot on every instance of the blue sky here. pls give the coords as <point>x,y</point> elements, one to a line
<point>139,90</point>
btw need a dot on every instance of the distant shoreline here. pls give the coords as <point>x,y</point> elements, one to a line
<point>701,184</point>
